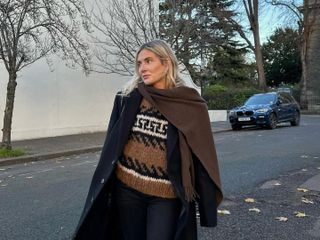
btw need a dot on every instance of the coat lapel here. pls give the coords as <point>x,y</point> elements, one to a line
<point>131,106</point>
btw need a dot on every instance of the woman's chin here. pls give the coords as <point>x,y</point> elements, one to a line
<point>146,82</point>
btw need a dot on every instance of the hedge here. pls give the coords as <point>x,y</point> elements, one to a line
<point>220,97</point>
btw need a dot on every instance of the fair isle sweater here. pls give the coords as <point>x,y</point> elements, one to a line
<point>143,165</point>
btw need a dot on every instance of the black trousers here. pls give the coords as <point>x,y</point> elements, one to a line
<point>144,217</point>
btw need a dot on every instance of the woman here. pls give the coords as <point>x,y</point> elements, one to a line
<point>158,159</point>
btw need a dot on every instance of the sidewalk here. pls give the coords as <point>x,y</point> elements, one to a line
<point>281,197</point>
<point>53,147</point>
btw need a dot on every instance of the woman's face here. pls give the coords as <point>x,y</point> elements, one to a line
<point>151,70</point>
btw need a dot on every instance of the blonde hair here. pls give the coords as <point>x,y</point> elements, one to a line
<point>165,54</point>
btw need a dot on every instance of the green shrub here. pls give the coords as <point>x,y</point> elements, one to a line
<point>215,88</point>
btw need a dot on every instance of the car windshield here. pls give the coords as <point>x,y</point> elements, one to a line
<point>260,99</point>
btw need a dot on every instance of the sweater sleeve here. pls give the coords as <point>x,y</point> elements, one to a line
<point>206,189</point>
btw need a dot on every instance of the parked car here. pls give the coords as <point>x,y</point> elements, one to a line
<point>266,110</point>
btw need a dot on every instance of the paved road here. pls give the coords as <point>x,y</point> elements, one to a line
<point>43,200</point>
<point>269,166</point>
<point>250,156</point>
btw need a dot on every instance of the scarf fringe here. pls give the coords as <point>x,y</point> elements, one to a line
<point>190,194</point>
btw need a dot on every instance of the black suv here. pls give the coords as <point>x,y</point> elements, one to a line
<point>266,110</point>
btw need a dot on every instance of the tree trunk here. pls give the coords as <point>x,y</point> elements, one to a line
<point>303,82</point>
<point>252,11</point>
<point>259,60</point>
<point>305,36</point>
<point>307,29</point>
<point>8,112</point>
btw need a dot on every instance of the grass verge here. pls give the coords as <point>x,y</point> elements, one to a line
<point>5,153</point>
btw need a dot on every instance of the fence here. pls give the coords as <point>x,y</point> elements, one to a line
<point>313,105</point>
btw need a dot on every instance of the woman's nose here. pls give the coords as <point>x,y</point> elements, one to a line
<point>142,68</point>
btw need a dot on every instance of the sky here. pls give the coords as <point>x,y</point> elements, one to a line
<point>270,18</point>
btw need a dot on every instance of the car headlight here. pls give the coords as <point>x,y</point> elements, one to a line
<point>262,110</point>
<point>232,112</point>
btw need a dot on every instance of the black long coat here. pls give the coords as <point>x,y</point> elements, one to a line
<point>97,221</point>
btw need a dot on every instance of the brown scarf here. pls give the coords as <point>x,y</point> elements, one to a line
<point>187,111</point>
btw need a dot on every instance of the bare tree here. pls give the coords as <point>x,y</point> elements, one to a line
<point>120,28</point>
<point>305,16</point>
<point>33,29</point>
<point>252,13</point>
<point>192,28</point>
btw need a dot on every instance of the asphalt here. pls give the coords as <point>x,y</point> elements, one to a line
<point>61,146</point>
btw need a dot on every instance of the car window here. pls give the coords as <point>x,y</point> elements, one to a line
<point>289,98</point>
<point>261,99</point>
<point>283,98</point>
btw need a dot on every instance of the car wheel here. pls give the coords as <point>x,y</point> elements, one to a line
<point>272,121</point>
<point>296,120</point>
<point>236,127</point>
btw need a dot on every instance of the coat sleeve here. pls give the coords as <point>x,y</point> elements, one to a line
<point>114,117</point>
<point>206,189</point>
<point>115,114</point>
<point>84,229</point>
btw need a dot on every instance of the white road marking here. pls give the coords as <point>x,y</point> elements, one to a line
<point>45,170</point>
<point>82,163</point>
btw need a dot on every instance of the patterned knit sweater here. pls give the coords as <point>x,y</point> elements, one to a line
<point>143,163</point>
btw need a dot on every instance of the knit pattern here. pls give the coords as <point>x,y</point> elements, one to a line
<point>143,163</point>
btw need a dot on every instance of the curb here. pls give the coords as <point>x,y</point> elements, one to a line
<point>222,130</point>
<point>47,156</point>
